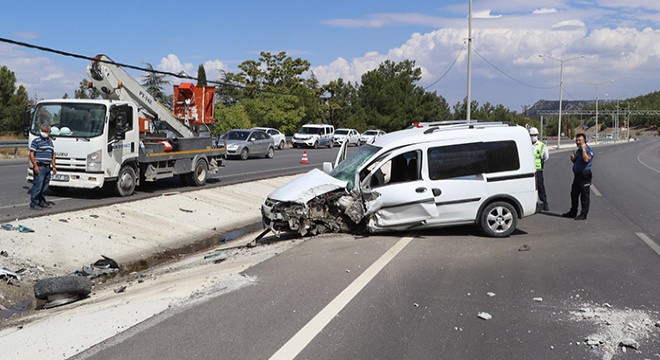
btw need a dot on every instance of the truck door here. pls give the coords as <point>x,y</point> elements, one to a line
<point>122,135</point>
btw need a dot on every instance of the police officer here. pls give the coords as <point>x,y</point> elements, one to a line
<point>581,187</point>
<point>541,155</point>
<point>42,157</point>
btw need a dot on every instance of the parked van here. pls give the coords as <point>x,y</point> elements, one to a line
<point>435,176</point>
<point>314,135</point>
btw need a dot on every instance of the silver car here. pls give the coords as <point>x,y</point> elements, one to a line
<point>245,143</point>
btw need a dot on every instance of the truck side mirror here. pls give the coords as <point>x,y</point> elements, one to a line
<point>109,148</point>
<point>27,119</point>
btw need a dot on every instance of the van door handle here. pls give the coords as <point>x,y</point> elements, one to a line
<point>420,190</point>
<point>436,192</point>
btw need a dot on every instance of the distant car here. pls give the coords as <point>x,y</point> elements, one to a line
<point>350,135</point>
<point>369,136</point>
<point>278,138</point>
<point>244,143</point>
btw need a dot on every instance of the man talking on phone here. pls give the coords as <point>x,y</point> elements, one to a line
<point>582,176</point>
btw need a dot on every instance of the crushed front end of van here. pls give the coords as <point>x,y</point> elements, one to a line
<point>313,203</point>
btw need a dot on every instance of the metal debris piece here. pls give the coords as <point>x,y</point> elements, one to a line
<point>100,267</point>
<point>9,275</point>
<point>484,316</point>
<point>538,299</point>
<point>525,247</point>
<point>185,210</point>
<point>490,294</point>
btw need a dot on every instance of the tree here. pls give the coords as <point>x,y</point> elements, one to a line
<point>390,100</point>
<point>154,82</point>
<point>201,76</point>
<point>229,117</point>
<point>85,92</point>
<point>13,102</point>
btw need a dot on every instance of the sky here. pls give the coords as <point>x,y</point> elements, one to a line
<point>608,49</point>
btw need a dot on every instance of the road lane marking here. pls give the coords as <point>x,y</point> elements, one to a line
<point>648,166</point>
<point>596,190</point>
<point>655,247</point>
<point>308,332</point>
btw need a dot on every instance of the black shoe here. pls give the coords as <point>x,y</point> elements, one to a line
<point>35,207</point>
<point>45,205</point>
<point>582,216</point>
<point>546,208</point>
<point>569,214</point>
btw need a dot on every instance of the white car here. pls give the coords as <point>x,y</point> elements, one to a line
<point>278,138</point>
<point>350,135</point>
<point>420,178</point>
<point>369,136</point>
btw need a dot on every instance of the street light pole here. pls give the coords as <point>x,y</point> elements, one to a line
<point>469,65</point>
<point>598,85</point>
<point>561,87</point>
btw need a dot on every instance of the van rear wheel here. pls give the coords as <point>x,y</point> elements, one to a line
<point>498,219</point>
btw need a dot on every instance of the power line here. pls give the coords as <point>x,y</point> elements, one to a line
<point>449,69</point>
<point>180,75</point>
<point>511,77</point>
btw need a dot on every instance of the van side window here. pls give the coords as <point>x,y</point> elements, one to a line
<point>471,159</point>
<point>401,168</point>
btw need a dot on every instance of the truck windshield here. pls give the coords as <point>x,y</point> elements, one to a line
<point>347,169</point>
<point>70,119</point>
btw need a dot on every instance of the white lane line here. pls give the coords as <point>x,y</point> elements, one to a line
<point>641,162</point>
<point>655,247</point>
<point>596,190</point>
<point>308,332</point>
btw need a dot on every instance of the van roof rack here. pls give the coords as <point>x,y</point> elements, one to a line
<point>464,124</point>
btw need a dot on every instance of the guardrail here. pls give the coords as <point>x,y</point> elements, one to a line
<point>13,144</point>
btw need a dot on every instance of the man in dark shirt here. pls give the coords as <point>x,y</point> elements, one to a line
<point>42,157</point>
<point>581,187</point>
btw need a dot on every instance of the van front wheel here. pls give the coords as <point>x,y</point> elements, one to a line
<point>498,219</point>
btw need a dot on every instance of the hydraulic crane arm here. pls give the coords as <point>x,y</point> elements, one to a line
<point>116,84</point>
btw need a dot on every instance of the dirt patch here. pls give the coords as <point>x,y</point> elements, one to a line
<point>16,297</point>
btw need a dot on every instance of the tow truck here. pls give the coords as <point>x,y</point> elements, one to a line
<point>128,137</point>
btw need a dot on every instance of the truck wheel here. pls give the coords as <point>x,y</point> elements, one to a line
<point>316,145</point>
<point>270,153</point>
<point>281,145</point>
<point>245,153</point>
<point>498,219</point>
<point>125,181</point>
<point>62,289</point>
<point>199,175</point>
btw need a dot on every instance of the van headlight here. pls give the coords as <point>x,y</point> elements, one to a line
<point>94,161</point>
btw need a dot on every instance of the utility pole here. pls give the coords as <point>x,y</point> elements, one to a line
<point>597,85</point>
<point>469,64</point>
<point>561,87</point>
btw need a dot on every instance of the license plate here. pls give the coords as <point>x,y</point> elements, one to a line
<point>60,177</point>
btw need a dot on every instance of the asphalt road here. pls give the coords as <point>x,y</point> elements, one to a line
<point>14,197</point>
<point>419,296</point>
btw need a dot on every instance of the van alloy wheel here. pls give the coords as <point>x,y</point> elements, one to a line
<point>498,219</point>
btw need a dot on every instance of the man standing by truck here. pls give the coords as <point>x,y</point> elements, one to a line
<point>42,157</point>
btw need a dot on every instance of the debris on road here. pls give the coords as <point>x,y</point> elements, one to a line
<point>102,266</point>
<point>615,328</point>
<point>9,275</point>
<point>485,316</point>
<point>19,228</point>
<point>490,294</point>
<point>525,247</point>
<point>120,289</point>
<point>538,299</point>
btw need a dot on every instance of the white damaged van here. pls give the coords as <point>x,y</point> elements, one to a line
<point>434,176</point>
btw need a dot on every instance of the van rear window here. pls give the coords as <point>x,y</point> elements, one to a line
<point>471,159</point>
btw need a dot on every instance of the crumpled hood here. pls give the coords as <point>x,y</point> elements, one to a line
<point>306,187</point>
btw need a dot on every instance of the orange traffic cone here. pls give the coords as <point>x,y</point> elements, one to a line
<point>304,159</point>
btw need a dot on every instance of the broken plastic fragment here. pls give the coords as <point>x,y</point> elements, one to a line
<point>490,294</point>
<point>538,299</point>
<point>24,229</point>
<point>484,315</point>
<point>8,227</point>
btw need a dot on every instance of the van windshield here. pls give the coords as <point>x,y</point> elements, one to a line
<point>347,169</point>
<point>311,130</point>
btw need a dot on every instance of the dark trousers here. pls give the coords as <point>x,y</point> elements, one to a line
<point>40,186</point>
<point>541,188</point>
<point>581,189</point>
